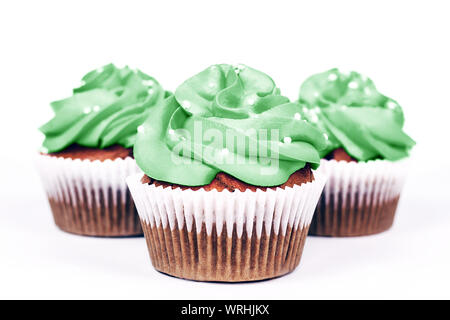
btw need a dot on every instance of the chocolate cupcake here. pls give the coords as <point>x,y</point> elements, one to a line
<point>231,194</point>
<point>87,151</point>
<point>366,155</point>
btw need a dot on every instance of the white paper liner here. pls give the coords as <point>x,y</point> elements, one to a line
<point>277,208</point>
<point>63,177</point>
<point>90,197</point>
<point>360,198</point>
<point>381,178</point>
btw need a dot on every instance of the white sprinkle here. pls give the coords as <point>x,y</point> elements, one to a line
<point>367,91</point>
<point>186,104</point>
<point>82,83</point>
<point>251,101</point>
<point>314,118</point>
<point>305,109</point>
<point>96,108</point>
<point>87,110</point>
<point>316,110</point>
<point>211,84</point>
<point>326,136</point>
<point>150,91</point>
<point>332,77</point>
<point>343,107</point>
<point>287,140</point>
<point>239,68</point>
<point>316,94</point>
<point>140,129</point>
<point>297,116</point>
<point>171,131</point>
<point>148,82</point>
<point>254,115</point>
<point>352,85</point>
<point>221,154</point>
<point>391,105</point>
<point>99,70</point>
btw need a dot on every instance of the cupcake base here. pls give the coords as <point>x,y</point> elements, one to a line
<point>202,257</point>
<point>352,220</point>
<point>360,198</point>
<point>90,198</point>
<point>102,219</point>
<point>225,236</point>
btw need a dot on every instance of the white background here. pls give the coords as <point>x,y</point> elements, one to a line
<point>46,46</point>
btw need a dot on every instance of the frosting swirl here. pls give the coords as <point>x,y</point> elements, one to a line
<point>226,119</point>
<point>105,110</point>
<point>355,116</point>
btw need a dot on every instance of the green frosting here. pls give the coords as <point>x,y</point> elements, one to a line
<point>227,119</point>
<point>105,110</point>
<point>355,116</point>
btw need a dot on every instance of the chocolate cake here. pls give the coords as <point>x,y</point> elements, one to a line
<point>224,181</point>
<point>366,155</point>
<point>76,151</point>
<point>87,151</point>
<point>238,205</point>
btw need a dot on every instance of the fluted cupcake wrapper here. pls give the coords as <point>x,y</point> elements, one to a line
<point>90,197</point>
<point>225,236</point>
<point>359,198</point>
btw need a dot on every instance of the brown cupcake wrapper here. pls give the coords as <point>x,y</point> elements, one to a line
<point>203,257</point>
<point>90,197</point>
<point>359,198</point>
<point>223,236</point>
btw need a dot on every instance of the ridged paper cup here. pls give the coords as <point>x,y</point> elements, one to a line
<point>90,197</point>
<point>225,236</point>
<point>359,198</point>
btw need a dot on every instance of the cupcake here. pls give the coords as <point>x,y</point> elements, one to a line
<point>228,190</point>
<point>366,154</point>
<point>87,151</point>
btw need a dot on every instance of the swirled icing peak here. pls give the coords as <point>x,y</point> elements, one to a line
<point>105,110</point>
<point>227,119</point>
<point>355,116</point>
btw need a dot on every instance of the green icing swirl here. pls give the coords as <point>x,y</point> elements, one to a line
<point>355,116</point>
<point>105,110</point>
<point>227,119</point>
